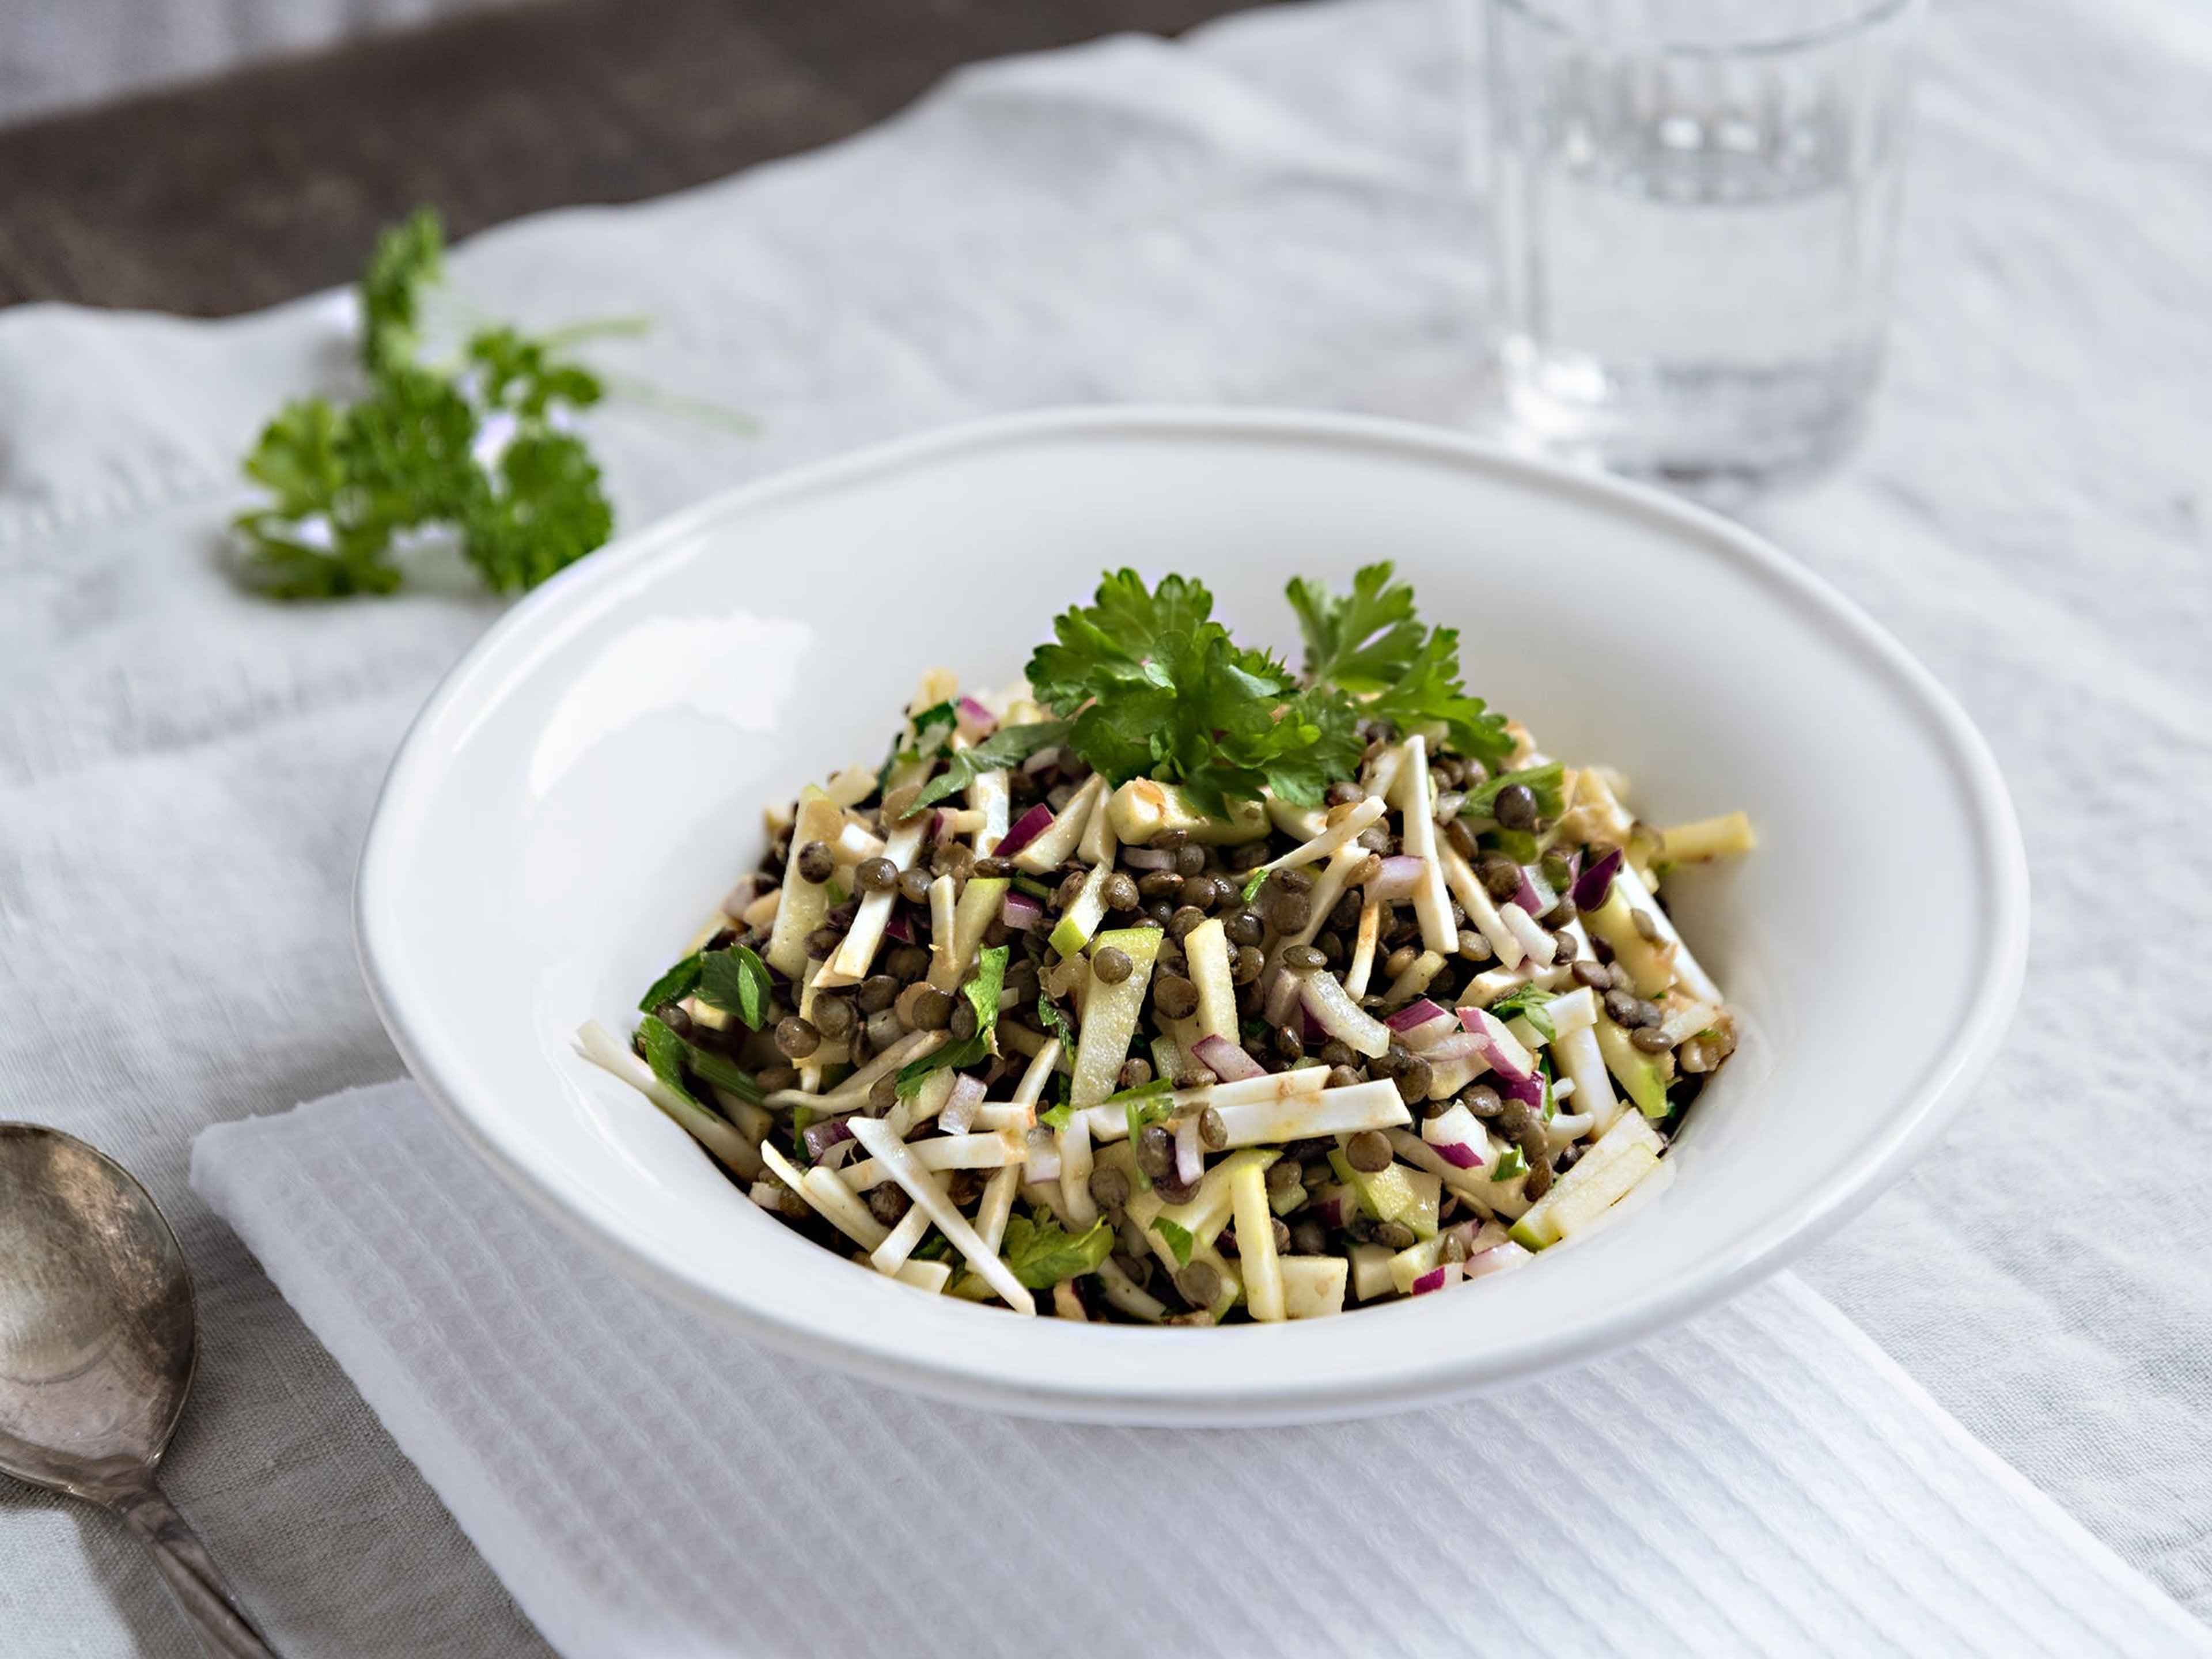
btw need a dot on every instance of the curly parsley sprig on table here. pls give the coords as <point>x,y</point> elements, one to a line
<point>423,448</point>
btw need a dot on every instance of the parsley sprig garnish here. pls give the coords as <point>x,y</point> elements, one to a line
<point>1150,685</point>
<point>1370,642</point>
<point>479,446</point>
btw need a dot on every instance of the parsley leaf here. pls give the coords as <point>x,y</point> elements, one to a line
<point>736,982</point>
<point>1547,783</point>
<point>982,993</point>
<point>672,986</point>
<point>1055,1022</point>
<point>665,1053</point>
<point>1010,746</point>
<point>1153,687</point>
<point>1042,1253</point>
<point>1177,1239</point>
<point>416,451</point>
<point>1252,883</point>
<point>1371,643</point>
<point>1528,1001</point>
<point>1513,1163</point>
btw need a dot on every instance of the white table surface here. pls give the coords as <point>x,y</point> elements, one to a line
<point>1269,213</point>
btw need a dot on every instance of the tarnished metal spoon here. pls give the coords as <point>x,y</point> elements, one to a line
<point>97,1337</point>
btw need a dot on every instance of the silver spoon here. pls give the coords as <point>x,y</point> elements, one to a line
<point>98,1338</point>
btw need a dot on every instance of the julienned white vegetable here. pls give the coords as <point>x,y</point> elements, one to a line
<point>1474,898</point>
<point>1143,807</point>
<point>901,1164</point>
<point>1347,829</point>
<point>853,1091</point>
<point>1579,1059</point>
<point>1075,1170</point>
<point>1347,1110</point>
<point>850,965</point>
<point>1328,887</point>
<point>890,1255</point>
<point>988,794</point>
<point>1474,1186</point>
<point>1206,947</point>
<point>971,1151</point>
<point>1690,843</point>
<point>1256,1243</point>
<point>1057,844</point>
<point>979,903</point>
<point>1362,947</point>
<point>1431,903</point>
<point>1124,1293</point>
<point>1539,945</point>
<point>1110,1014</point>
<point>599,1046</point>
<point>1304,1082</point>
<point>1651,967</point>
<point>1080,920</point>
<point>1324,997</point>
<point>805,902</point>
<point>841,1209</point>
<point>1313,1285</point>
<point>1623,1156</point>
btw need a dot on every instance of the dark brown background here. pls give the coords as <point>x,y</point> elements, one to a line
<point>238,192</point>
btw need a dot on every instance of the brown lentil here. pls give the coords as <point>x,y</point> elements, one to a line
<point>995,869</point>
<point>1594,975</point>
<point>1516,807</point>
<point>1303,959</point>
<point>898,806</point>
<point>1369,1152</point>
<point>1176,997</point>
<point>875,875</point>
<point>1155,1150</point>
<point>1343,1077</point>
<point>1393,1235</point>
<point>1119,891</point>
<point>1199,1284</point>
<point>822,944</point>
<point>1482,1100</point>
<point>797,1037</point>
<point>962,1023</point>
<point>1212,1132</point>
<point>1136,1072</point>
<point>913,884</point>
<point>1646,929</point>
<point>817,863</point>
<point>1190,859</point>
<point>1245,928</point>
<point>673,1016</point>
<point>1283,1178</point>
<point>1110,964</point>
<point>933,1010</point>
<point>1108,1186</point>
<point>888,1203</point>
<point>1651,1040</point>
<point>1415,1081</point>
<point>834,1017</point>
<point>1251,963</point>
<point>1186,917</point>
<point>1461,838</point>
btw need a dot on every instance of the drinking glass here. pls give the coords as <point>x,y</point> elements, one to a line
<point>1693,202</point>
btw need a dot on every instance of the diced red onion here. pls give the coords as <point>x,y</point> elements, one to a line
<point>1459,1154</point>
<point>1019,911</point>
<point>1496,1259</point>
<point>1593,884</point>
<point>1190,1158</point>
<point>1419,1012</point>
<point>1226,1059</point>
<point>1325,997</point>
<point>1335,1208</point>
<point>975,714</point>
<point>1400,878</point>
<point>1535,897</point>
<point>1026,828</point>
<point>1484,1024</point>
<point>896,928</point>
<point>821,1137</point>
<point>1464,1045</point>
<point>1149,857</point>
<point>1443,1276</point>
<point>1311,1030</point>
<point>1528,1091</point>
<point>958,1116</point>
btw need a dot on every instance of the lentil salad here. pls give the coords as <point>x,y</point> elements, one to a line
<point>1168,986</point>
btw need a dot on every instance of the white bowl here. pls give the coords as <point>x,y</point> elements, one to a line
<point>586,784</point>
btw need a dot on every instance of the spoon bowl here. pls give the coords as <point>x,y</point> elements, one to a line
<point>99,1339</point>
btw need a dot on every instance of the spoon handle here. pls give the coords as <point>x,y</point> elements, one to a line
<point>202,1592</point>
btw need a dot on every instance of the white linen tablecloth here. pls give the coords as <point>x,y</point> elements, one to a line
<point>1763,1481</point>
<point>1271,211</point>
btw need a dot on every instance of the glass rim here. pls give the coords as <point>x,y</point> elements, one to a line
<point>1871,15</point>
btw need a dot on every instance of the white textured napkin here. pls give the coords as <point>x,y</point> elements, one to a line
<point>1765,1482</point>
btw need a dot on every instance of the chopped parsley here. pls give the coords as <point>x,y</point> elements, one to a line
<point>1528,1002</point>
<point>981,991</point>
<point>1512,1165</point>
<point>1010,746</point>
<point>1177,1239</point>
<point>1042,1252</point>
<point>736,982</point>
<point>673,986</point>
<point>1547,782</point>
